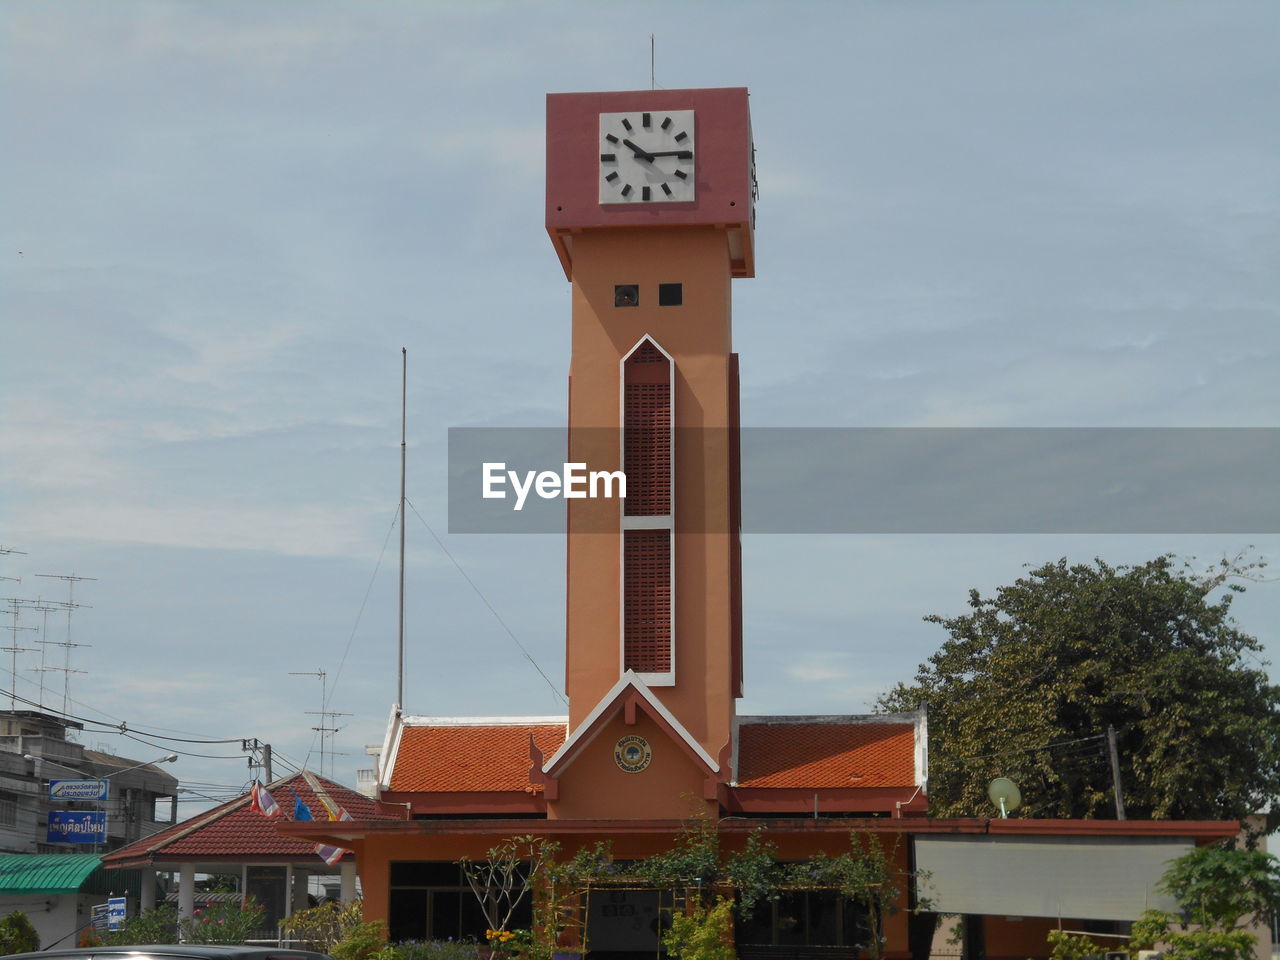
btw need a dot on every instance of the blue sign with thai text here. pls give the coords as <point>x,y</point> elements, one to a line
<point>77,789</point>
<point>116,909</point>
<point>77,826</point>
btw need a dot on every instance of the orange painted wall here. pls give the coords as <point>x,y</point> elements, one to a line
<point>698,335</point>
<point>1012,938</point>
<point>594,786</point>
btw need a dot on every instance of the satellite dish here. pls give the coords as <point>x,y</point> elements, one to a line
<point>1004,793</point>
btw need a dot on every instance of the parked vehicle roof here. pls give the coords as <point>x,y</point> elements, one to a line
<point>183,951</point>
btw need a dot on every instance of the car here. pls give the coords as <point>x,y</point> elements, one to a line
<point>173,951</point>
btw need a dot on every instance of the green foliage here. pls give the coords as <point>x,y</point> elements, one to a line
<point>1068,946</point>
<point>17,934</point>
<point>436,950</point>
<point>366,940</point>
<point>1181,943</point>
<point>587,864</point>
<point>705,933</point>
<point>1222,886</point>
<point>150,926</point>
<point>754,872</point>
<point>694,860</point>
<point>319,928</point>
<point>223,923</point>
<point>1068,650</point>
<point>1218,890</point>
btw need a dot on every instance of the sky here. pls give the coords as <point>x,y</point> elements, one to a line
<point>222,222</point>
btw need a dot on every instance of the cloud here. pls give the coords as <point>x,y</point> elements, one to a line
<point>300,530</point>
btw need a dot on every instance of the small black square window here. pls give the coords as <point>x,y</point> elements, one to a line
<point>670,294</point>
<point>626,295</point>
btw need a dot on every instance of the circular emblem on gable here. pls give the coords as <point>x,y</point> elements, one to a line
<point>632,754</point>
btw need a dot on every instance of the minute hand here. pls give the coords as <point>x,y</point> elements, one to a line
<point>682,154</point>
<point>642,154</point>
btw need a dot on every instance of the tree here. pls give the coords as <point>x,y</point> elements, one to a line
<point>1029,681</point>
<point>1217,891</point>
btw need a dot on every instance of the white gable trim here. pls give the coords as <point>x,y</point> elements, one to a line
<point>486,721</point>
<point>922,747</point>
<point>579,739</point>
<point>390,748</point>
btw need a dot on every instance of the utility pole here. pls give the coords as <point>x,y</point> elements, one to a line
<point>1115,772</point>
<point>253,746</point>
<point>404,420</point>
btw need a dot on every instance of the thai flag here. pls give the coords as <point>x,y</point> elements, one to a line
<point>329,855</point>
<point>263,802</point>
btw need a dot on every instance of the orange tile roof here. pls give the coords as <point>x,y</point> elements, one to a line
<point>235,830</point>
<point>826,755</point>
<point>462,758</point>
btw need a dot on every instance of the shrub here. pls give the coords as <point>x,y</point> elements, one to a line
<point>223,923</point>
<point>366,940</point>
<point>17,935</point>
<point>319,928</point>
<point>704,934</point>
<point>437,950</point>
<point>150,926</point>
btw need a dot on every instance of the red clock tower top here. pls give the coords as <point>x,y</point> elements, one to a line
<point>717,164</point>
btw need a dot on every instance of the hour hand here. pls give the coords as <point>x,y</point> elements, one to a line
<point>643,155</point>
<point>679,154</point>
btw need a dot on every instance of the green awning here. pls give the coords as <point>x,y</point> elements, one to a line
<point>56,873</point>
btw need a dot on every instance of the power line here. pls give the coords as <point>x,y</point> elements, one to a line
<point>1047,746</point>
<point>485,601</point>
<point>356,626</point>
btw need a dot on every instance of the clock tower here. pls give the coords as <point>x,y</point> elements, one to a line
<point>650,207</point>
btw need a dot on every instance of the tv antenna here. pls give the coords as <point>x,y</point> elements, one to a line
<point>5,551</point>
<point>324,713</point>
<point>1004,793</point>
<point>13,648</point>
<point>44,608</point>
<point>66,645</point>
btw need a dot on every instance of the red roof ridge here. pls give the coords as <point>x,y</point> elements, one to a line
<point>148,847</point>
<point>909,716</point>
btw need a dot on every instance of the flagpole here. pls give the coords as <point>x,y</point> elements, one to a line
<point>404,389</point>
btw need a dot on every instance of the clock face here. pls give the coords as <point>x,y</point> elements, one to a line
<point>646,157</point>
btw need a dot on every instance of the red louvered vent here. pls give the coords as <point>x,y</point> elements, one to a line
<point>646,646</point>
<point>646,448</point>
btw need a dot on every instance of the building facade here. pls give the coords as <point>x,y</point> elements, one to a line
<point>650,208</point>
<point>140,798</point>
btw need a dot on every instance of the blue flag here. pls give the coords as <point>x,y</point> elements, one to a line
<point>300,809</point>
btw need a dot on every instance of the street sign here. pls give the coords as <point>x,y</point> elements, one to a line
<point>77,826</point>
<point>77,789</point>
<point>100,917</point>
<point>115,912</point>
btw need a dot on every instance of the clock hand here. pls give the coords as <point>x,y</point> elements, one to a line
<point>638,152</point>
<point>682,154</point>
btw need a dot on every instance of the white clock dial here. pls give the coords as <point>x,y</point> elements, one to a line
<point>647,157</point>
